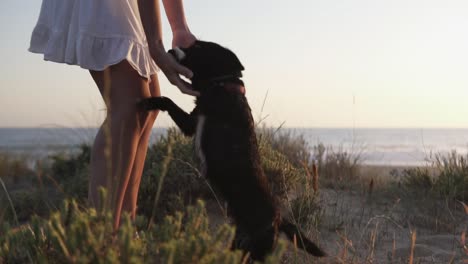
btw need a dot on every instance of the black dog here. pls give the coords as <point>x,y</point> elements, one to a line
<point>227,146</point>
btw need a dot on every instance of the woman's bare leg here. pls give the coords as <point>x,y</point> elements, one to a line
<point>100,165</point>
<point>131,195</point>
<point>99,169</point>
<point>125,124</point>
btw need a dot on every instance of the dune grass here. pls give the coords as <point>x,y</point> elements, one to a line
<point>356,215</point>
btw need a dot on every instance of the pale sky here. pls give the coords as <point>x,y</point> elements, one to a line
<point>328,63</point>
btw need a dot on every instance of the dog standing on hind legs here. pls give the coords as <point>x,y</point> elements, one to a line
<point>226,144</point>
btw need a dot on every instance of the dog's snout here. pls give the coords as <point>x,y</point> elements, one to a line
<point>179,54</point>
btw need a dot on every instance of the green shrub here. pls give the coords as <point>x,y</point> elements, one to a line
<point>170,172</point>
<point>307,211</point>
<point>73,235</point>
<point>337,168</point>
<point>171,178</point>
<point>182,183</point>
<point>281,174</point>
<point>171,167</point>
<point>71,173</point>
<point>446,177</point>
<point>65,177</point>
<point>26,203</point>
<point>14,168</point>
<point>294,147</point>
<point>417,179</point>
<point>65,166</point>
<point>187,239</point>
<point>452,181</point>
<point>280,169</point>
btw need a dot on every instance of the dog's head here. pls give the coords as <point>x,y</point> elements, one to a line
<point>208,61</point>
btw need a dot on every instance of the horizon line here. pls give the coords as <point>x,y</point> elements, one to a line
<point>282,127</point>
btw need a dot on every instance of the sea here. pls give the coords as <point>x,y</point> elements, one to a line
<point>375,146</point>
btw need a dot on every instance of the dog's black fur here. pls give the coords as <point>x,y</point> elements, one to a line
<point>227,144</point>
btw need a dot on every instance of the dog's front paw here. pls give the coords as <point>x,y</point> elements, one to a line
<point>154,103</point>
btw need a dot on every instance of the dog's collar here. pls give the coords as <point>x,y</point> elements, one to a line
<point>227,77</point>
<point>230,82</point>
<point>232,85</point>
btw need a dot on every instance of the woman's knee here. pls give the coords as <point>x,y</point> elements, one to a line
<point>127,87</point>
<point>154,86</point>
<point>147,118</point>
<point>133,118</point>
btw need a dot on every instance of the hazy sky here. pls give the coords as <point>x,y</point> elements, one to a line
<point>328,63</point>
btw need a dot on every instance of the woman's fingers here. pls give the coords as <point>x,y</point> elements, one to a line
<point>184,71</point>
<point>173,73</point>
<point>183,86</point>
<point>172,70</point>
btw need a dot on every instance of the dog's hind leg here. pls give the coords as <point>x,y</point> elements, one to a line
<point>304,243</point>
<point>263,244</point>
<point>257,245</point>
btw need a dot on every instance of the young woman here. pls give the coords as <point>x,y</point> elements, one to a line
<point>120,43</point>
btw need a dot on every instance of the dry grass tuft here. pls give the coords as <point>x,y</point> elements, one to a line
<point>413,245</point>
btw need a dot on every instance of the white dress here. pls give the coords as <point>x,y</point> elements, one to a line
<point>93,34</point>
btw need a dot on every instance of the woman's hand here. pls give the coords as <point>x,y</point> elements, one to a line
<point>172,69</point>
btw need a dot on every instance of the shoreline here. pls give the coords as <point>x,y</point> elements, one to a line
<point>41,152</point>
<point>383,147</point>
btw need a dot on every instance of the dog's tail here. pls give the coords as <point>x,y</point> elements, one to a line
<point>291,231</point>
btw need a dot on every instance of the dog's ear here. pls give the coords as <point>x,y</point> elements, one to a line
<point>178,53</point>
<point>236,65</point>
<point>239,65</point>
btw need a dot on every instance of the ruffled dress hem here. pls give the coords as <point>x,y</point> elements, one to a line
<point>92,52</point>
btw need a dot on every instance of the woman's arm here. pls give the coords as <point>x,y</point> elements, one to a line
<point>182,37</point>
<point>151,19</point>
<point>176,15</point>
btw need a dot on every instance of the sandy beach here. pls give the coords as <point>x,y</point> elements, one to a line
<point>357,226</point>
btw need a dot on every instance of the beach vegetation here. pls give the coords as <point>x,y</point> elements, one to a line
<point>354,213</point>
